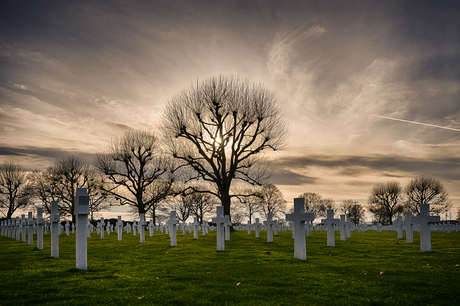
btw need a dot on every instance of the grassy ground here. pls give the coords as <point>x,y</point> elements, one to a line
<point>194,273</point>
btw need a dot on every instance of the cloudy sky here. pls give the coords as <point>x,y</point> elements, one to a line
<point>75,74</point>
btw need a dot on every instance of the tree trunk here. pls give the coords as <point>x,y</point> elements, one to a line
<point>225,199</point>
<point>153,215</point>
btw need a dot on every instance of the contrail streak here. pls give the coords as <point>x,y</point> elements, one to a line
<point>426,124</point>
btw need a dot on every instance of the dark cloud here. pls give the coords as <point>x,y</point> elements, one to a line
<point>447,168</point>
<point>46,153</point>
<point>286,177</point>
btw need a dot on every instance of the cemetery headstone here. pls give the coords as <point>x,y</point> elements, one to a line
<point>227,229</point>
<point>142,228</point>
<point>298,219</point>
<point>424,220</point>
<point>409,230</point>
<point>151,227</point>
<point>195,227</point>
<point>249,227</point>
<point>81,218</point>
<point>269,224</point>
<point>30,232</point>
<point>256,226</point>
<point>120,228</point>
<point>54,219</point>
<point>330,222</point>
<point>23,227</point>
<point>67,228</point>
<point>399,227</point>
<point>343,230</point>
<point>101,228</point>
<point>220,220</point>
<point>172,227</point>
<point>40,223</point>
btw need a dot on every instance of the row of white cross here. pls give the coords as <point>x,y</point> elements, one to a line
<point>298,220</point>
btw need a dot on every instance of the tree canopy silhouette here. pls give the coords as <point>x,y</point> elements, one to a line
<point>220,128</point>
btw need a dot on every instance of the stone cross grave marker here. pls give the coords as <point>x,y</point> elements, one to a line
<point>256,226</point>
<point>220,220</point>
<point>40,223</point>
<point>343,230</point>
<point>173,222</point>
<point>151,227</point>
<point>249,227</point>
<point>269,224</point>
<point>134,228</point>
<point>142,228</point>
<point>227,229</point>
<point>330,221</point>
<point>399,227</point>
<point>54,229</point>
<point>348,225</point>
<point>23,227</point>
<point>120,228</point>
<point>195,227</point>
<point>30,232</point>
<point>204,227</point>
<point>81,219</point>
<point>101,227</point>
<point>424,220</point>
<point>67,228</point>
<point>298,219</point>
<point>18,229</point>
<point>408,225</point>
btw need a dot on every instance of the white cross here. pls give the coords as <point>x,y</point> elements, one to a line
<point>330,221</point>
<point>408,224</point>
<point>424,220</point>
<point>269,223</point>
<point>298,219</point>
<point>220,220</point>
<point>172,228</point>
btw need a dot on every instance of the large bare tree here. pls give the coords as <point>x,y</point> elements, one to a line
<point>14,189</point>
<point>385,201</point>
<point>427,190</point>
<point>136,172</point>
<point>220,128</point>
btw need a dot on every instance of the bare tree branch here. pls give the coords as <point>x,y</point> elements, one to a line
<point>219,128</point>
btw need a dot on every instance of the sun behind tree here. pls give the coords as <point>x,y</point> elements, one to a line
<point>219,128</point>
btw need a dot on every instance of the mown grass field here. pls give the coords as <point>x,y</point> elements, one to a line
<point>194,273</point>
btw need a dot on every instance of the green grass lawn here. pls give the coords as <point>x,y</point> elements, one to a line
<point>194,273</point>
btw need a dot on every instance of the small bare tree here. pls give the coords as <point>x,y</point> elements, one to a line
<point>353,210</point>
<point>271,200</point>
<point>136,172</point>
<point>249,205</point>
<point>202,202</point>
<point>385,201</point>
<point>15,192</point>
<point>427,190</point>
<point>220,128</point>
<point>60,182</point>
<point>182,204</point>
<point>322,207</point>
<point>312,201</point>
